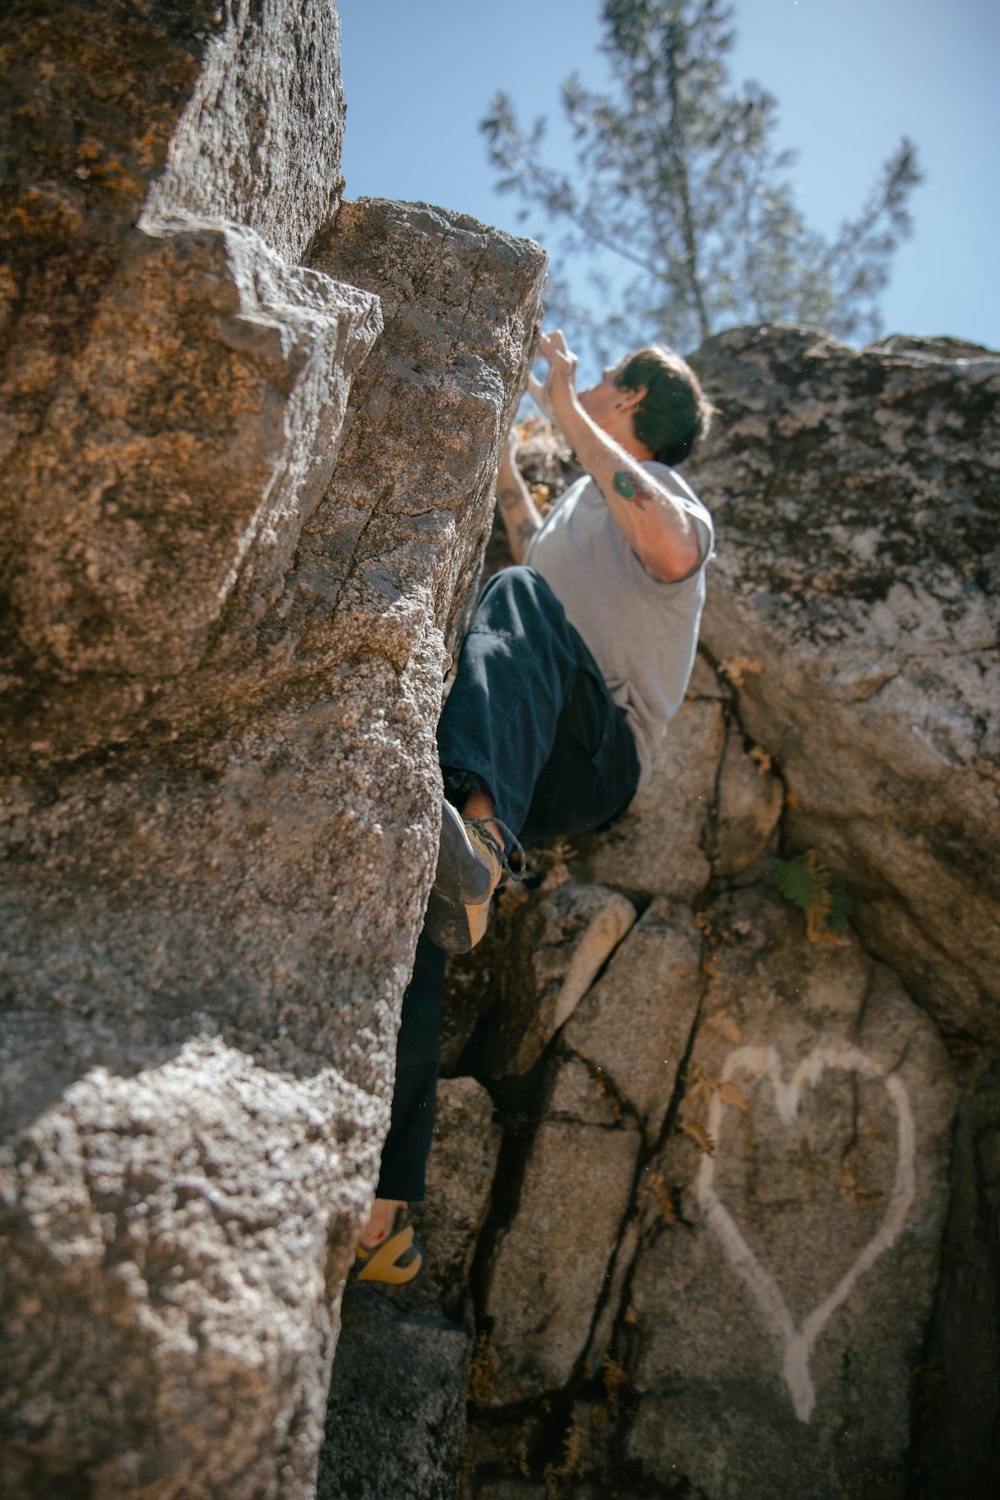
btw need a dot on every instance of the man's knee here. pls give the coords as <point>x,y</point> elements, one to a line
<point>518,578</point>
<point>522,589</point>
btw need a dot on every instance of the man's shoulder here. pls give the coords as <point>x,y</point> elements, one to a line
<point>672,479</point>
<point>695,507</point>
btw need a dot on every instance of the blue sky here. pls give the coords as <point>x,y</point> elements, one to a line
<point>850,76</point>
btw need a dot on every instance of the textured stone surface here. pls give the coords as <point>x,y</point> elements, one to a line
<point>555,944</point>
<point>92,94</point>
<point>222,676</point>
<point>496,1445</point>
<point>260,138</point>
<point>658,847</point>
<point>542,948</point>
<point>806,1245</point>
<point>751,801</point>
<point>510,1489</point>
<point>603,1334</point>
<point>408,510</point>
<point>396,1417</point>
<point>854,596</point>
<point>548,1268</point>
<point>166,1277</point>
<point>957,1391</point>
<point>175,388</point>
<point>161,507</point>
<point>460,1175</point>
<point>632,1028</point>
<point>605,1095</point>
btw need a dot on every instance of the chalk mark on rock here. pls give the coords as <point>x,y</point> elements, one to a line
<point>797,1343</point>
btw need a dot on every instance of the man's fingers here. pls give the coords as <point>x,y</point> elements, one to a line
<point>562,371</point>
<point>551,343</point>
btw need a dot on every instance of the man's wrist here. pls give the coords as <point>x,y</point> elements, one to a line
<point>509,496</point>
<point>564,404</point>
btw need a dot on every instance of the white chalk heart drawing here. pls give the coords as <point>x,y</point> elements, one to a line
<point>797,1343</point>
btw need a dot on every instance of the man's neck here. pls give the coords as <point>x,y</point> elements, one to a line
<point>635,449</point>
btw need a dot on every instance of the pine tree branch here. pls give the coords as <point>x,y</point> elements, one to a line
<point>902,173</point>
<point>557,196</point>
<point>676,177</point>
<point>684,193</point>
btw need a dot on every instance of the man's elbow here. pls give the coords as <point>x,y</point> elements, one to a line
<point>674,560</point>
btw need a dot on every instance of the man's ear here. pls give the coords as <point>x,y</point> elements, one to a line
<point>627,436</point>
<point>633,397</point>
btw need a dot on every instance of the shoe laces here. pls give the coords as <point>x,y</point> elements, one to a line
<point>499,851</point>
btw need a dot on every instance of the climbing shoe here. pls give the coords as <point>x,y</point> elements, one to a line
<point>472,864</point>
<point>396,1261</point>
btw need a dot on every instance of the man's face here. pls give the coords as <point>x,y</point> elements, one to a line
<point>603,402</point>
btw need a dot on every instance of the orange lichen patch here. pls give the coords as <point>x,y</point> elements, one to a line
<point>615,1376</point>
<point>736,668</point>
<point>761,759</point>
<point>725,1026</point>
<point>657,1187</point>
<point>699,1135</point>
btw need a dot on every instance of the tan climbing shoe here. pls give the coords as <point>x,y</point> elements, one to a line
<point>396,1261</point>
<point>471,865</point>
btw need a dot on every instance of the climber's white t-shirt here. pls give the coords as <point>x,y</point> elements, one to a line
<point>641,632</point>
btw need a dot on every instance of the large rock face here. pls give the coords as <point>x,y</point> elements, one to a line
<point>176,381</point>
<point>602,1107</point>
<point>223,671</point>
<point>729,1253</point>
<point>808,1223</point>
<point>92,95</point>
<point>855,602</point>
<point>260,138</point>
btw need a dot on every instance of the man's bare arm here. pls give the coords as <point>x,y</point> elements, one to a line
<point>653,521</point>
<point>517,509</point>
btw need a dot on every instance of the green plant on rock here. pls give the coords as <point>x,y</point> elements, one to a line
<point>807,883</point>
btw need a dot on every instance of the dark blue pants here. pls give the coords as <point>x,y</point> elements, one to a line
<point>529,720</point>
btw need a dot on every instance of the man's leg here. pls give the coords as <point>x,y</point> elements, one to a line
<point>527,691</point>
<point>530,735</point>
<point>592,772</point>
<point>417,1056</point>
<point>519,665</point>
<point>408,1144</point>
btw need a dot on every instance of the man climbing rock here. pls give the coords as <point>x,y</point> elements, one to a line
<point>576,659</point>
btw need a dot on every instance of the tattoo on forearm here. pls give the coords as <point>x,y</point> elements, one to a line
<point>525,531</point>
<point>509,498</point>
<point>631,488</point>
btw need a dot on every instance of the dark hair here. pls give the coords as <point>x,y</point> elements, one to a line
<point>674,413</point>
